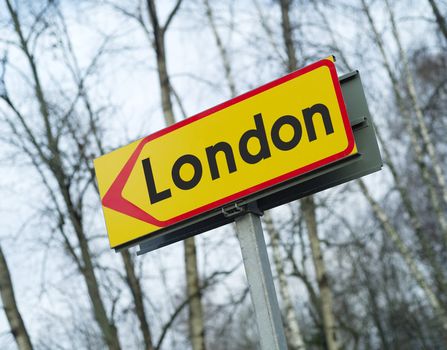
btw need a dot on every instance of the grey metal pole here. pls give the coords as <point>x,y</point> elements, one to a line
<point>260,280</point>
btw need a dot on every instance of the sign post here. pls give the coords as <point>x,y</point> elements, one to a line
<point>260,281</point>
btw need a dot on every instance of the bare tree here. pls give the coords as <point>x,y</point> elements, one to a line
<point>138,296</point>
<point>15,320</point>
<point>48,157</point>
<point>308,209</point>
<point>229,76</point>
<point>292,328</point>
<point>435,197</point>
<point>196,320</point>
<point>132,280</point>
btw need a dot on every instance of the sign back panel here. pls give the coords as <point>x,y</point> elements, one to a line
<point>281,130</point>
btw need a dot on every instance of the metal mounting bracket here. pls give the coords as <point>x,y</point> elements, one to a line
<point>232,210</point>
<point>235,209</point>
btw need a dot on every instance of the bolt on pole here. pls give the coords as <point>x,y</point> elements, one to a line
<point>260,280</point>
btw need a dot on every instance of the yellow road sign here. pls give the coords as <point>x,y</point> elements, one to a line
<point>283,129</point>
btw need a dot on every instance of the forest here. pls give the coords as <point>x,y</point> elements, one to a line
<point>362,265</point>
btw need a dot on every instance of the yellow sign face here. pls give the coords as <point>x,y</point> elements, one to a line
<point>255,141</point>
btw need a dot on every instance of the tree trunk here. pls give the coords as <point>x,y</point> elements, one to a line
<point>162,69</point>
<point>308,205</point>
<point>292,63</point>
<point>137,293</point>
<point>196,321</point>
<point>440,19</point>
<point>406,254</point>
<point>292,328</point>
<point>309,211</point>
<point>222,51</point>
<point>107,326</point>
<point>13,316</point>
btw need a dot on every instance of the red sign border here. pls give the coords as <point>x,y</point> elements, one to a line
<point>114,200</point>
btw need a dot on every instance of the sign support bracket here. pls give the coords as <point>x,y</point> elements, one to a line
<point>259,275</point>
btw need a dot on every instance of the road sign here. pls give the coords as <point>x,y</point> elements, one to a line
<point>247,145</point>
<point>366,161</point>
